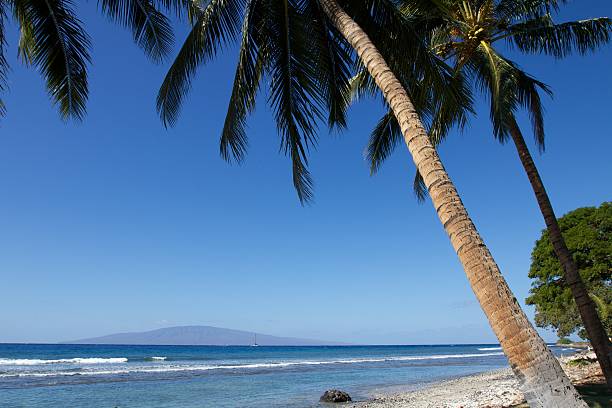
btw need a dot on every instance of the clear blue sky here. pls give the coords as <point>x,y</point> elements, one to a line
<point>116,224</point>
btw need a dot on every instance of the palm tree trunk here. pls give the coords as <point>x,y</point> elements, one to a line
<point>588,312</point>
<point>540,375</point>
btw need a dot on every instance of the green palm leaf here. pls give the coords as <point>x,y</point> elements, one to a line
<point>295,95</point>
<point>541,35</point>
<point>491,74</point>
<point>181,7</point>
<point>508,10</point>
<point>151,29</point>
<point>334,63</point>
<point>59,47</point>
<point>249,71</point>
<point>526,88</point>
<point>384,138</point>
<point>216,24</point>
<point>27,44</point>
<point>361,85</point>
<point>4,67</point>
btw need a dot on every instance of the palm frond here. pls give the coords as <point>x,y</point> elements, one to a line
<point>387,133</point>
<point>334,63</point>
<point>250,68</point>
<point>491,73</point>
<point>452,101</point>
<point>516,89</point>
<point>384,138</point>
<point>27,44</point>
<point>361,85</point>
<point>419,188</point>
<point>441,98</point>
<point>526,89</point>
<point>451,104</point>
<point>295,95</point>
<point>425,8</point>
<point>151,29</point>
<point>59,47</point>
<point>442,107</point>
<point>541,35</point>
<point>510,10</point>
<point>403,39</point>
<point>380,12</point>
<point>493,65</point>
<point>4,67</point>
<point>181,8</point>
<point>216,24</point>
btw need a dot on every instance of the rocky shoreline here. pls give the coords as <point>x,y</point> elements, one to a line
<point>495,389</point>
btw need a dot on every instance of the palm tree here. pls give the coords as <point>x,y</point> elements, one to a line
<point>54,41</point>
<point>292,41</point>
<point>466,37</point>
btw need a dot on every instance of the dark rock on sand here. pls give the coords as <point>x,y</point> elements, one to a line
<point>335,396</point>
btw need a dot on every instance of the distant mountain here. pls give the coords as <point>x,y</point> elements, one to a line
<point>200,335</point>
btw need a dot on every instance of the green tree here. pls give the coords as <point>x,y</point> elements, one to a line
<point>468,35</point>
<point>296,44</point>
<point>588,234</point>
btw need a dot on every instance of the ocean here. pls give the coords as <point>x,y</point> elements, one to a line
<point>92,376</point>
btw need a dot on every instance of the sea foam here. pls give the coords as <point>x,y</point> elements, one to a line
<point>248,366</point>
<point>78,360</point>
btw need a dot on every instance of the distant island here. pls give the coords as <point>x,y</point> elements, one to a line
<point>201,336</point>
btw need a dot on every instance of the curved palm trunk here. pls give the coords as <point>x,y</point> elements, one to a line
<point>586,306</point>
<point>542,380</point>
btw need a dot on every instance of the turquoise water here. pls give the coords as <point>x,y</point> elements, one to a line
<point>91,376</point>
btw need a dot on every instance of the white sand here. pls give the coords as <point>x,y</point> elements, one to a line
<point>492,389</point>
<point>495,389</point>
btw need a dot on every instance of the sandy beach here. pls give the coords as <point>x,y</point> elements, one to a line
<point>495,389</point>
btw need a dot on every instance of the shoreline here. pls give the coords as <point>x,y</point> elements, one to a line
<point>491,389</point>
<point>497,388</point>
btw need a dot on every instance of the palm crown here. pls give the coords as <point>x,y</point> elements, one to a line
<point>291,46</point>
<point>473,26</point>
<point>465,34</point>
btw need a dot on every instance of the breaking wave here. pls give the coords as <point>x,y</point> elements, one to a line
<point>166,368</point>
<point>78,360</point>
